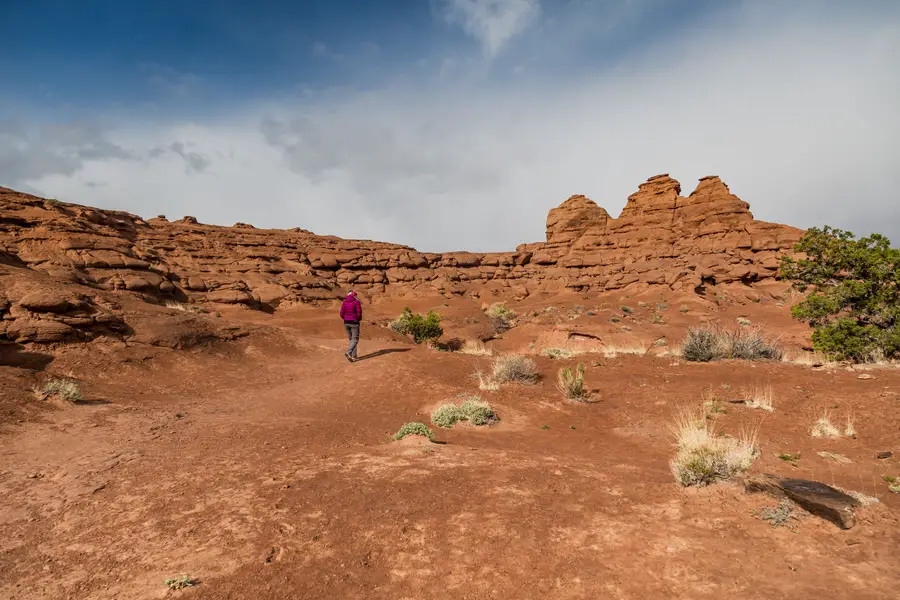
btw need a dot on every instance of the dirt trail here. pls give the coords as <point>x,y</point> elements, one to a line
<point>264,468</point>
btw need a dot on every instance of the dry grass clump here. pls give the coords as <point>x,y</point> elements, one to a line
<point>614,351</point>
<point>514,368</point>
<point>64,389</point>
<point>809,359</point>
<point>761,397</point>
<point>193,308</point>
<point>486,382</point>
<point>823,427</point>
<point>705,344</point>
<point>475,348</point>
<point>571,383</point>
<point>702,457</point>
<point>559,353</point>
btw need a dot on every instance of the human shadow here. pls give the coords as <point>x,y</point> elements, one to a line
<point>378,353</point>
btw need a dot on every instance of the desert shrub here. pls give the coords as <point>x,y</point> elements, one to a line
<point>177,583</point>
<point>701,345</point>
<point>703,458</point>
<point>627,310</point>
<point>64,389</point>
<point>750,344</point>
<point>414,428</point>
<point>501,317</point>
<point>558,353</point>
<point>473,409</point>
<point>478,412</point>
<point>779,516</point>
<point>571,383</point>
<point>421,328</point>
<point>447,415</point>
<point>704,344</point>
<point>854,305</point>
<point>514,369</point>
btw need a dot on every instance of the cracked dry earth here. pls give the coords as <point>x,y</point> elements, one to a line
<point>264,469</point>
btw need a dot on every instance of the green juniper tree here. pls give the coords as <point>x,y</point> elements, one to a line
<point>854,305</point>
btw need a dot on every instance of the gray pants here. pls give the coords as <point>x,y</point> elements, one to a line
<point>353,336</point>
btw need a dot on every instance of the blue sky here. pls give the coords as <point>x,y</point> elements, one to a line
<point>448,124</point>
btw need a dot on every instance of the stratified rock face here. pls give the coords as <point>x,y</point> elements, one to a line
<point>660,239</point>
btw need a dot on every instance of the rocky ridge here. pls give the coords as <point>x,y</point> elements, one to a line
<point>660,239</point>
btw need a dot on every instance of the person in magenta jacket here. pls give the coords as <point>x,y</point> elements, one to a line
<point>351,313</point>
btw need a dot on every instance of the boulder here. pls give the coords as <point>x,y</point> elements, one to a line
<point>816,497</point>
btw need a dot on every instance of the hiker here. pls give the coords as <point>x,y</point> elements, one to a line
<point>351,313</point>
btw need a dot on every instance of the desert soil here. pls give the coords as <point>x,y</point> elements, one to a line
<point>263,468</point>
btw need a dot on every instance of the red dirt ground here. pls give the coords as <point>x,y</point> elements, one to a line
<point>264,468</point>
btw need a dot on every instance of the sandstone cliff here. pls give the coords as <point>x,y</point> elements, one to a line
<point>660,239</point>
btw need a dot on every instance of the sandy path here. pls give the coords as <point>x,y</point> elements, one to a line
<point>278,480</point>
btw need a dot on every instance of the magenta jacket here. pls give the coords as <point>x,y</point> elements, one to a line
<point>351,310</point>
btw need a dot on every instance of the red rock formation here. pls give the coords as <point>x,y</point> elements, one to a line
<point>660,239</point>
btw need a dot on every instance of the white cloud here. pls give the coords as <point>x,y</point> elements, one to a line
<point>796,111</point>
<point>492,22</point>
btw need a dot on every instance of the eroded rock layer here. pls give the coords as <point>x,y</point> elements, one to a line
<point>660,239</point>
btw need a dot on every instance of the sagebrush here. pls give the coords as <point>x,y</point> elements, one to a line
<point>64,389</point>
<point>514,368</point>
<point>707,343</point>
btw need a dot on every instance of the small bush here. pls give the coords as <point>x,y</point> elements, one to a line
<point>177,583</point>
<point>558,353</point>
<point>473,409</point>
<point>64,389</point>
<point>447,415</point>
<point>501,317</point>
<point>627,310</point>
<point>779,516</point>
<point>703,458</point>
<point>414,428</point>
<point>514,369</point>
<point>478,412</point>
<point>571,383</point>
<point>751,344</point>
<point>701,345</point>
<point>704,344</point>
<point>421,328</point>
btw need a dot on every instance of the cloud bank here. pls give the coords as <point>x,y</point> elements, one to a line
<point>795,108</point>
